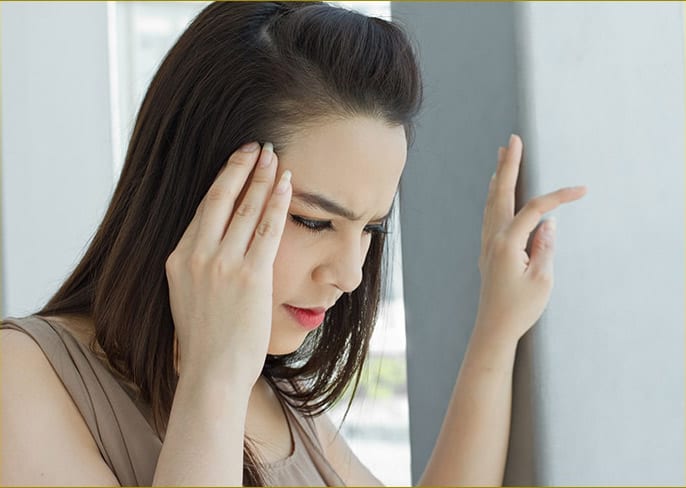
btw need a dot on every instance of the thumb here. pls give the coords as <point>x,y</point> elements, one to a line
<point>543,250</point>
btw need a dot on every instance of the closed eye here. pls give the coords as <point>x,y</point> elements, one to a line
<point>317,226</point>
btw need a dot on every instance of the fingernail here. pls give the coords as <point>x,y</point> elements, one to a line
<point>267,155</point>
<point>512,136</point>
<point>250,147</point>
<point>284,182</point>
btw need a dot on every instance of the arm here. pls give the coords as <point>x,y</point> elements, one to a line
<point>471,448</point>
<point>516,284</point>
<point>42,431</point>
<point>477,422</point>
<point>203,444</point>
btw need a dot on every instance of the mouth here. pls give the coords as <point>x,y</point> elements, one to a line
<point>308,318</point>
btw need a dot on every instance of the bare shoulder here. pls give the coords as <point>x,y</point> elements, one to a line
<point>43,433</point>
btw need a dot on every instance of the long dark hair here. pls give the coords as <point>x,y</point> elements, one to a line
<point>241,72</point>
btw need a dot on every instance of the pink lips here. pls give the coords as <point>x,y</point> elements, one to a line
<point>308,318</point>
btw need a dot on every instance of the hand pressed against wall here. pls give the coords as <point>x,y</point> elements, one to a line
<point>516,286</point>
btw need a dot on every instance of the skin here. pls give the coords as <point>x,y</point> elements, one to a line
<point>515,288</point>
<point>310,269</point>
<point>357,163</point>
<point>471,448</point>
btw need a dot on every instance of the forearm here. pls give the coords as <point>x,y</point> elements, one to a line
<point>203,444</point>
<point>471,448</point>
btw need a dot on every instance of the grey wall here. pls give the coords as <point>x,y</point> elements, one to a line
<point>596,91</point>
<point>56,143</point>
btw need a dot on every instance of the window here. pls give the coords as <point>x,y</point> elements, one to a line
<point>140,35</point>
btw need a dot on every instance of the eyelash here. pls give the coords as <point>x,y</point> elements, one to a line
<point>317,226</point>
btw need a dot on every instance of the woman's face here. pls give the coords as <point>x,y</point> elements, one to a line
<point>355,163</point>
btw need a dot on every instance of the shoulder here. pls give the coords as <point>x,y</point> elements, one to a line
<point>44,329</point>
<point>42,429</point>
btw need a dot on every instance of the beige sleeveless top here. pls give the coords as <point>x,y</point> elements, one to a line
<point>121,424</point>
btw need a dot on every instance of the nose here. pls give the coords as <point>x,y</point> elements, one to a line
<point>343,265</point>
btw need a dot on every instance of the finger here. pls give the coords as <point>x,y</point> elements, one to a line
<point>501,154</point>
<point>219,201</point>
<point>486,226</point>
<point>543,252</point>
<point>530,215</point>
<point>249,210</point>
<point>267,237</point>
<point>505,183</point>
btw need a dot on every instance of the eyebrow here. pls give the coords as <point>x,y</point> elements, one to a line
<point>320,202</point>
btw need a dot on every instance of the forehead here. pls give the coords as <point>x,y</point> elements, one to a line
<point>357,161</point>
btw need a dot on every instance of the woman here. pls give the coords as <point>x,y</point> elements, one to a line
<point>217,314</point>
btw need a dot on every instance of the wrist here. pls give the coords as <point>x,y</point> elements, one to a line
<point>493,336</point>
<point>496,330</point>
<point>207,379</point>
<point>489,354</point>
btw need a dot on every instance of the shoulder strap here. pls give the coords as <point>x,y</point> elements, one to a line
<point>312,444</point>
<point>124,437</point>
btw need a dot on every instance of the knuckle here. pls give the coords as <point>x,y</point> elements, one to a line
<point>537,204</point>
<point>217,192</point>
<point>246,209</point>
<point>499,243</point>
<point>262,178</point>
<point>223,267</point>
<point>248,276</point>
<point>534,208</point>
<point>197,261</point>
<point>171,264</point>
<point>266,228</point>
<point>240,158</point>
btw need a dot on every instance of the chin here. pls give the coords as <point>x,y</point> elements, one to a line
<point>283,347</point>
